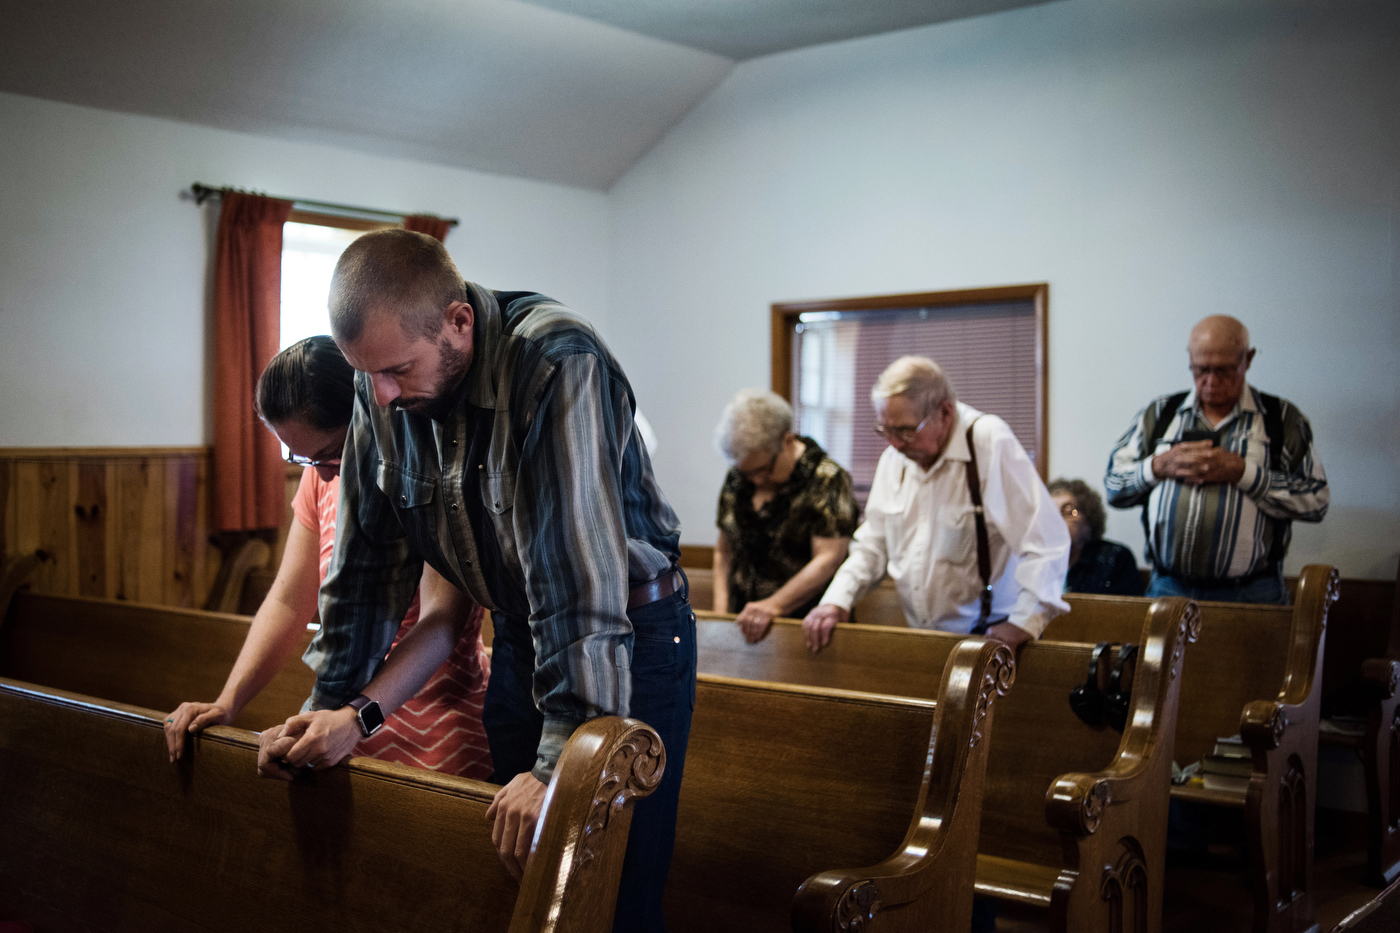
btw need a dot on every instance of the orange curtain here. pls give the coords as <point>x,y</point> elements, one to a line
<point>427,223</point>
<point>249,481</point>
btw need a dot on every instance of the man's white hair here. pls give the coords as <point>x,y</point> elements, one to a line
<point>918,379</point>
<point>754,420</point>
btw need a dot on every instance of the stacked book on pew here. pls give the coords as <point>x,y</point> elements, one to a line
<point>1229,768</point>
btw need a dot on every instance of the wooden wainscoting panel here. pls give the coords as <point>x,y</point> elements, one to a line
<point>122,523</point>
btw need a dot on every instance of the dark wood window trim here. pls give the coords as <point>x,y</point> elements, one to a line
<point>784,319</point>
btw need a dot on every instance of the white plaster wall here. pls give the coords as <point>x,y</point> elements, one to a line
<point>104,268</point>
<point>1153,162</point>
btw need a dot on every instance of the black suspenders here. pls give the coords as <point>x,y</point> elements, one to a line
<point>984,547</point>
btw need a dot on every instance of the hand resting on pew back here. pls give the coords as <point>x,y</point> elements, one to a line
<point>822,621</point>
<point>323,738</point>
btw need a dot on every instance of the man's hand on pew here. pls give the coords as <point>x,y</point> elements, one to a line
<point>1009,634</point>
<point>513,815</point>
<point>820,622</point>
<point>319,739</point>
<point>325,737</point>
<point>755,619</point>
<point>189,718</point>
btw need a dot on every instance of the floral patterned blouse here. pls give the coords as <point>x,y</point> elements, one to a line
<point>772,544</point>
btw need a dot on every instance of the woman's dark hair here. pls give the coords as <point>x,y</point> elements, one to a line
<point>1086,500</point>
<point>309,382</point>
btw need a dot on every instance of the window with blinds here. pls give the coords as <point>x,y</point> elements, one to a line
<point>989,343</point>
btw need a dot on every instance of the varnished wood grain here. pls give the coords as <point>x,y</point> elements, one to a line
<point>1257,672</point>
<point>146,655</point>
<point>770,795</point>
<point>100,832</point>
<point>125,523</point>
<point>1038,750</point>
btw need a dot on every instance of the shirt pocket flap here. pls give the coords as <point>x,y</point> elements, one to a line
<point>955,536</point>
<point>404,489</point>
<point>498,491</point>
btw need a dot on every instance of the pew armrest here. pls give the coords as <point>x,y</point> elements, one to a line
<point>1075,802</point>
<point>1264,723</point>
<point>575,863</point>
<point>1381,677</point>
<point>931,876</point>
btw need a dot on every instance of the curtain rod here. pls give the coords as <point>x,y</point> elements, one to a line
<point>203,192</point>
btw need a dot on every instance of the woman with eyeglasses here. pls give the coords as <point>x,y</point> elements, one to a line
<point>432,706</point>
<point>1096,565</point>
<point>786,515</point>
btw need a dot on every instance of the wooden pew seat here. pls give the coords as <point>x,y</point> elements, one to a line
<point>1062,799</point>
<point>100,832</point>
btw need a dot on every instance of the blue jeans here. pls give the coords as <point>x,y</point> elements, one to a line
<point>663,697</point>
<point>1269,589</point>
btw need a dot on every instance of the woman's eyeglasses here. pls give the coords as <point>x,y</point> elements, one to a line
<point>307,461</point>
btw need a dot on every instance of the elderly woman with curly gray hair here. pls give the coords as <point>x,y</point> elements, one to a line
<point>786,515</point>
<point>1096,565</point>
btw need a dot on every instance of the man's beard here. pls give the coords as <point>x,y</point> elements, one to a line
<point>452,369</point>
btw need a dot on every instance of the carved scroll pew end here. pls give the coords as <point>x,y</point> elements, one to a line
<point>926,885</point>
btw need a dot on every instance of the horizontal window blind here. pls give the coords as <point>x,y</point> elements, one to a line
<point>987,350</point>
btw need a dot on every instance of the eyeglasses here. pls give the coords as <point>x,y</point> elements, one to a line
<point>307,461</point>
<point>1069,511</point>
<point>902,433</point>
<point>751,475</point>
<point>1220,372</point>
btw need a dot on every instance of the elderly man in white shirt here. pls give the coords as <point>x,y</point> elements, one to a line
<point>920,524</point>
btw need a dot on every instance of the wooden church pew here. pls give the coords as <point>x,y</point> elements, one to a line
<point>66,642</point>
<point>1074,816</point>
<point>1256,671</point>
<point>789,786</point>
<point>750,791</point>
<point>1361,678</point>
<point>100,832</point>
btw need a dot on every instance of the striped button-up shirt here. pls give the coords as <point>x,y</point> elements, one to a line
<point>1220,531</point>
<point>533,492</point>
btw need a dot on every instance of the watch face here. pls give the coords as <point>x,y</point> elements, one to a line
<point>371,718</point>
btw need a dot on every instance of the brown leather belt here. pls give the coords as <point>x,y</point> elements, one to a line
<point>646,593</point>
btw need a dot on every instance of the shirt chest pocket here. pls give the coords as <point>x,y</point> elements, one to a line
<point>498,492</point>
<point>954,535</point>
<point>412,497</point>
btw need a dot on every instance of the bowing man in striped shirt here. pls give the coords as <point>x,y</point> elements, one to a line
<point>1221,473</point>
<point>493,437</point>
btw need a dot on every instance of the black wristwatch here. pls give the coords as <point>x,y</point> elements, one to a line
<point>369,714</point>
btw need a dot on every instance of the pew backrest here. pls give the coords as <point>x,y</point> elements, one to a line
<point>856,779</point>
<point>1246,654</point>
<point>149,656</point>
<point>100,831</point>
<point>869,658</point>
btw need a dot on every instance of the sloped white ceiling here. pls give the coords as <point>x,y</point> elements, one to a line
<point>493,85</point>
<point>742,29</point>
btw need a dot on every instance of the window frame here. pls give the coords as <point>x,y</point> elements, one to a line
<point>783,320</point>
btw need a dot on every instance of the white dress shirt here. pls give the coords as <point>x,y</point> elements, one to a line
<point>919,527</point>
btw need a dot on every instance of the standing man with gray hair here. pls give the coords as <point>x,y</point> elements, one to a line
<point>957,516</point>
<point>493,437</point>
<point>786,514</point>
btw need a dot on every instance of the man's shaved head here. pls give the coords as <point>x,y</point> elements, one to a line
<point>406,274</point>
<point>1219,333</point>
